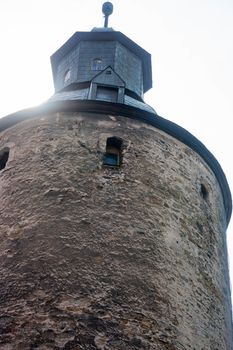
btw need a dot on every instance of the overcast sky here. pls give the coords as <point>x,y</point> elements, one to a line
<point>191,42</point>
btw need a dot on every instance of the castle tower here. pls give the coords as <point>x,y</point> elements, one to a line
<point>113,218</point>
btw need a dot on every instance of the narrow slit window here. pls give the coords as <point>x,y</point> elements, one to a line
<point>204,192</point>
<point>4,156</point>
<point>113,154</point>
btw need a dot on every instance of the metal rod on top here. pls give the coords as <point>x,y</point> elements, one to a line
<point>107,10</point>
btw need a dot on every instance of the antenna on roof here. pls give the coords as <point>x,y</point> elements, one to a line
<point>107,10</point>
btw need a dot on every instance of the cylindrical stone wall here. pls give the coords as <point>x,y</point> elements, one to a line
<point>93,257</point>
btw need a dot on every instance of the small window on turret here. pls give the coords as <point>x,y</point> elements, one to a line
<point>67,75</point>
<point>113,154</point>
<point>97,64</point>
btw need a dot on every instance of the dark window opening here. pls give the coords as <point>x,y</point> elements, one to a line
<point>113,154</point>
<point>4,156</point>
<point>97,64</point>
<point>204,192</point>
<point>107,94</point>
<point>111,159</point>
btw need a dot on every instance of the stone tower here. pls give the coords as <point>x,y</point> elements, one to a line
<point>112,218</point>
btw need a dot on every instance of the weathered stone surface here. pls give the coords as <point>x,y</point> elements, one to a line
<point>100,258</point>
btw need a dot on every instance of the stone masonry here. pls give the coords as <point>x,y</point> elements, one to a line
<point>93,257</point>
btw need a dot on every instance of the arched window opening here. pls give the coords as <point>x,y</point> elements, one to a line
<point>4,156</point>
<point>97,64</point>
<point>113,154</point>
<point>67,75</point>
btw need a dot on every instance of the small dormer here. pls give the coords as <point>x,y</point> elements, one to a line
<point>107,86</point>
